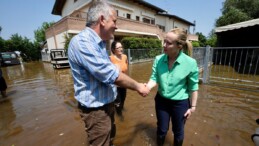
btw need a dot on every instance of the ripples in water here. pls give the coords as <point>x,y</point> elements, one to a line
<point>41,110</point>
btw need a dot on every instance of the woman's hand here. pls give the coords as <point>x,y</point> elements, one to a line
<point>189,112</point>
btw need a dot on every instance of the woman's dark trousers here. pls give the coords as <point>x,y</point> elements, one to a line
<point>120,99</point>
<point>167,109</point>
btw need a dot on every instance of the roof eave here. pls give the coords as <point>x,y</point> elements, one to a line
<point>239,25</point>
<point>149,5</point>
<point>58,6</point>
<point>176,17</point>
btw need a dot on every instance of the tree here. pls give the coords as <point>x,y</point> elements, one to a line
<point>202,39</point>
<point>212,39</point>
<point>67,40</point>
<point>235,11</point>
<point>250,7</point>
<point>29,51</point>
<point>2,44</point>
<point>39,34</point>
<point>232,16</point>
<point>0,29</point>
<point>195,44</point>
<point>40,39</point>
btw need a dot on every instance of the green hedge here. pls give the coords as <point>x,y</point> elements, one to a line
<point>141,43</point>
<point>195,44</point>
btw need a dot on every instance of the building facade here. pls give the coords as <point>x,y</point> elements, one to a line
<point>136,18</point>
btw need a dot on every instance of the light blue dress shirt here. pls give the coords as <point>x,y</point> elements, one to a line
<point>93,73</point>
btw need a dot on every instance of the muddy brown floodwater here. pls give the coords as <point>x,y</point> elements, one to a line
<point>41,111</point>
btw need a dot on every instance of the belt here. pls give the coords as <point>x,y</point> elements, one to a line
<point>87,109</point>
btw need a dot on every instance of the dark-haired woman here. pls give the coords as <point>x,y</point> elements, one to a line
<point>121,61</point>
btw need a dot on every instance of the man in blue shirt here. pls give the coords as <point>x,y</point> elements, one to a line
<point>95,76</point>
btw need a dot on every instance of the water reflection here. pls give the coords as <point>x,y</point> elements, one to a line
<point>227,76</point>
<point>13,72</point>
<point>8,127</point>
<point>226,116</point>
<point>41,110</point>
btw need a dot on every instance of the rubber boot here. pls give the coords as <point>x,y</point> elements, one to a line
<point>160,140</point>
<point>178,142</point>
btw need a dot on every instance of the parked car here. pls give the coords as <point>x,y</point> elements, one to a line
<point>9,58</point>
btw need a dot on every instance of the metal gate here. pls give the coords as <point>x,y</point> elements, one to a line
<point>230,66</point>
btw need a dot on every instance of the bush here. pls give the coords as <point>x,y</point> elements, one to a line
<point>141,43</point>
<point>195,44</point>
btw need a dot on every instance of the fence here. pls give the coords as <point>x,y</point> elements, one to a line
<point>141,55</point>
<point>225,66</point>
<point>232,66</point>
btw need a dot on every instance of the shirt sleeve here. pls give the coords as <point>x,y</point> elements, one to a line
<point>193,78</point>
<point>153,76</point>
<point>95,60</point>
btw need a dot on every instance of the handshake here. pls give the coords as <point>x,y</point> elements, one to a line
<point>143,89</point>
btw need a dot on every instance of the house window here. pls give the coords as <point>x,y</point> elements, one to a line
<point>161,27</point>
<point>153,21</point>
<point>75,1</point>
<point>128,16</point>
<point>117,11</point>
<point>137,18</point>
<point>145,20</point>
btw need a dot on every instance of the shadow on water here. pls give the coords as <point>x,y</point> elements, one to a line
<point>41,110</point>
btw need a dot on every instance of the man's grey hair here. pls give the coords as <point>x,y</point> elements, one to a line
<point>98,8</point>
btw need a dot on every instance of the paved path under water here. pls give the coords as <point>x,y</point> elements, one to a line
<point>41,111</point>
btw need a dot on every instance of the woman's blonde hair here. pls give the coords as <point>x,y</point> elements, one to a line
<point>182,40</point>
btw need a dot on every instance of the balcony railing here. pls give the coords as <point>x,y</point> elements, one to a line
<point>65,24</point>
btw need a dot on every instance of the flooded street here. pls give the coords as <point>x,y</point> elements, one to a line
<point>41,111</point>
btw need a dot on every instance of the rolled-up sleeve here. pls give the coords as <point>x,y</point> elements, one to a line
<point>153,76</point>
<point>193,78</point>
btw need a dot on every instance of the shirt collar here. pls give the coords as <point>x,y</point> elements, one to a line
<point>179,59</point>
<point>96,37</point>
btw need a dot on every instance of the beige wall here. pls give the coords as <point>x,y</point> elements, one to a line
<point>127,27</point>
<point>124,8</point>
<point>160,20</point>
<point>70,6</point>
<point>51,43</point>
<point>60,38</point>
<point>133,9</point>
